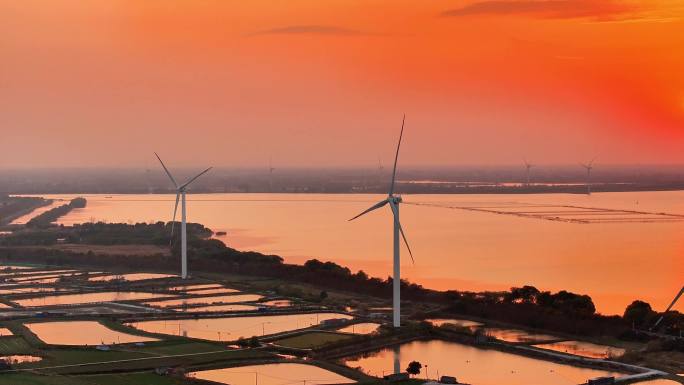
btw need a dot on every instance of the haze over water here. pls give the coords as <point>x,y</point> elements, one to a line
<point>615,263</point>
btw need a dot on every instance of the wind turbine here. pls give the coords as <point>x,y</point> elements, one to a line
<point>394,201</point>
<point>270,174</point>
<point>681,292</point>
<point>528,166</point>
<point>589,166</point>
<point>180,195</point>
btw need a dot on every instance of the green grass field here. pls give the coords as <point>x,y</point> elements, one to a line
<point>112,379</point>
<point>311,340</point>
<point>14,345</point>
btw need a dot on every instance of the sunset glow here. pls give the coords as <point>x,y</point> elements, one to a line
<point>483,81</point>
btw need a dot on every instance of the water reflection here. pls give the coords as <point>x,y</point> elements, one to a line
<point>218,290</point>
<point>233,328</point>
<point>130,277</point>
<point>194,287</point>
<point>70,299</point>
<point>473,365</point>
<point>516,335</point>
<point>20,359</point>
<point>81,333</point>
<point>584,349</point>
<point>454,321</point>
<point>208,300</point>
<point>314,225</point>
<point>272,374</point>
<point>218,308</point>
<point>278,303</point>
<point>361,328</point>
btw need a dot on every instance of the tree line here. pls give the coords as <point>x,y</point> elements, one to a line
<point>562,311</point>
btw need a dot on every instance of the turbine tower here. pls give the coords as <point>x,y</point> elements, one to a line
<point>270,174</point>
<point>589,166</point>
<point>528,166</point>
<point>180,195</point>
<point>394,201</point>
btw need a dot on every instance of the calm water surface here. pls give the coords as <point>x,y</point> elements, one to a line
<point>218,308</point>
<point>361,328</point>
<point>474,366</point>
<point>81,333</point>
<point>130,277</point>
<point>219,290</point>
<point>233,328</point>
<point>278,303</point>
<point>454,321</point>
<point>70,299</point>
<point>194,287</point>
<point>208,300</point>
<point>455,249</point>
<point>584,349</point>
<point>516,335</point>
<point>272,374</point>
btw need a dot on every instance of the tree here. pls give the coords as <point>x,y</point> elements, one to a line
<point>414,367</point>
<point>638,313</point>
<point>525,294</point>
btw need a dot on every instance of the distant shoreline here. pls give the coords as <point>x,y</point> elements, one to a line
<point>404,188</point>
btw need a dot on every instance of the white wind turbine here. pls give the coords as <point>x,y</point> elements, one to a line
<point>589,166</point>
<point>528,166</point>
<point>394,201</point>
<point>180,195</point>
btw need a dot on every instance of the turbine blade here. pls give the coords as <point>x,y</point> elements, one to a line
<point>173,222</point>
<point>167,171</point>
<point>401,230</point>
<point>195,177</point>
<point>396,156</point>
<point>374,207</point>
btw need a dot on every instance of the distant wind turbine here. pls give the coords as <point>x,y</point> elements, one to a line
<point>528,166</point>
<point>394,201</point>
<point>589,166</point>
<point>270,174</point>
<point>180,195</point>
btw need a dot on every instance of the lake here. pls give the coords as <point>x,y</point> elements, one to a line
<point>616,257</point>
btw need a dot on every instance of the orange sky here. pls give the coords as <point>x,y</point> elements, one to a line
<point>313,82</point>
